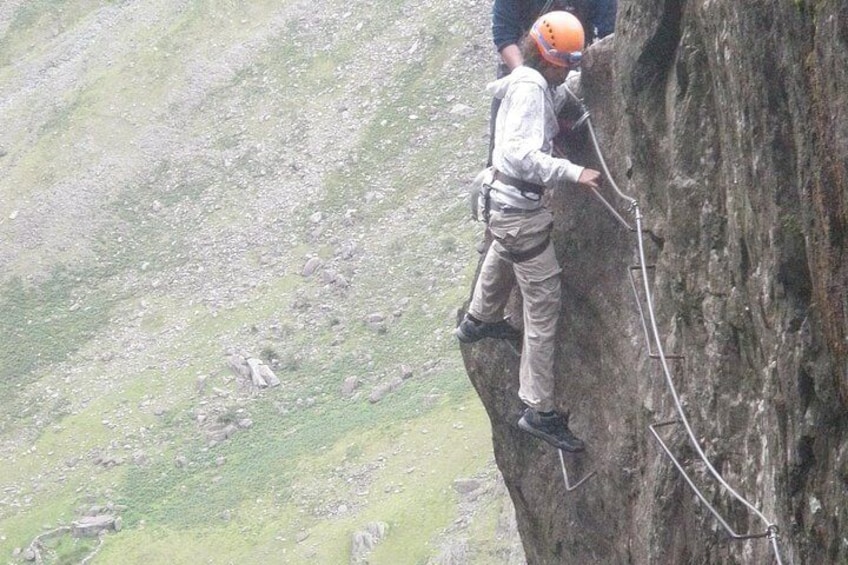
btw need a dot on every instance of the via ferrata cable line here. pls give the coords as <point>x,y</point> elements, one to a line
<point>771,529</point>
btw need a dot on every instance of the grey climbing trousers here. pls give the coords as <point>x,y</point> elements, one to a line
<point>538,279</point>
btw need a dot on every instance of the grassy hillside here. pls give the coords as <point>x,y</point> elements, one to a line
<point>167,170</point>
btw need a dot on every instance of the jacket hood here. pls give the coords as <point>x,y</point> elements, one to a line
<point>499,87</point>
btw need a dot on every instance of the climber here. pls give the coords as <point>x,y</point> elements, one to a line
<point>512,18</point>
<point>521,250</point>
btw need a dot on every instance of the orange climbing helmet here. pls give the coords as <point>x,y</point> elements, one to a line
<point>559,36</point>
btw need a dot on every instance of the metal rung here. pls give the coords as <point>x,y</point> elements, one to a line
<point>568,486</point>
<point>666,356</point>
<point>770,532</point>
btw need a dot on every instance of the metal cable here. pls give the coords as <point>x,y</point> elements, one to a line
<point>771,529</point>
<point>678,406</point>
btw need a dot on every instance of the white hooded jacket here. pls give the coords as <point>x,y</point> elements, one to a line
<point>524,131</point>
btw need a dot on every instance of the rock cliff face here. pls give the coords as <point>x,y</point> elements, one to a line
<point>729,125</point>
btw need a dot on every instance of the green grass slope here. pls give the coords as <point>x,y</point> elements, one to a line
<point>166,171</point>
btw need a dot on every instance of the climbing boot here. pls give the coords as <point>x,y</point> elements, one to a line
<point>471,330</point>
<point>551,427</point>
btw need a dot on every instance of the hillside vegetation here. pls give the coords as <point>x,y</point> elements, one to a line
<point>184,184</point>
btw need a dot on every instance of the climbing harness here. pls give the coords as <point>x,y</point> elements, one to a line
<point>532,253</point>
<point>771,530</point>
<point>528,190</point>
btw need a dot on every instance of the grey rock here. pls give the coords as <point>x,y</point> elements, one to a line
<point>312,265</point>
<point>349,385</point>
<point>256,373</point>
<point>269,376</point>
<point>91,526</point>
<point>377,529</point>
<point>465,486</point>
<point>239,366</point>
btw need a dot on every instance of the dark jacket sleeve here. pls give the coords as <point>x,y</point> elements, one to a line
<point>507,23</point>
<point>603,16</point>
<point>511,19</point>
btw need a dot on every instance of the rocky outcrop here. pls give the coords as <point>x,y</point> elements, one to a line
<point>730,128</point>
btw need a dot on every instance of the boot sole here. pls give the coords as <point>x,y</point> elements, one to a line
<point>465,338</point>
<point>524,426</point>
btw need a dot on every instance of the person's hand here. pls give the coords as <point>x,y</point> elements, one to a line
<point>511,55</point>
<point>591,178</point>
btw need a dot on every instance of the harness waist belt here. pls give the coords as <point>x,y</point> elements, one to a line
<point>532,253</point>
<point>505,209</point>
<point>521,185</point>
